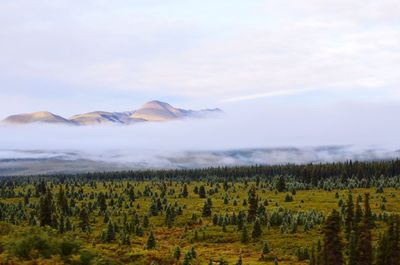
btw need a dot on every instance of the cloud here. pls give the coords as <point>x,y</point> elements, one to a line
<point>246,125</point>
<point>266,95</point>
<point>168,48</point>
<point>249,134</point>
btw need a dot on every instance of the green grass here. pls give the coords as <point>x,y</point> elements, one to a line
<point>215,244</point>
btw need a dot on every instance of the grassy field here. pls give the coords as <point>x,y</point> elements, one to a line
<point>189,229</point>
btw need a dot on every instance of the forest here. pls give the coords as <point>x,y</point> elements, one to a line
<point>317,214</point>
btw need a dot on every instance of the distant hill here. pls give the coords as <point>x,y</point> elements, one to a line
<point>151,111</point>
<point>42,116</point>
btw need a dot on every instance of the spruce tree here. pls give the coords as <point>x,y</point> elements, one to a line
<point>46,209</point>
<point>257,231</point>
<point>125,240</point>
<point>253,204</point>
<point>151,241</point>
<point>331,253</point>
<point>358,215</point>
<point>364,242</point>
<point>101,200</point>
<point>349,218</point>
<point>146,221</point>
<point>393,250</point>
<point>62,201</point>
<point>177,253</point>
<point>281,184</point>
<point>364,247</point>
<point>367,212</point>
<point>84,220</point>
<point>187,259</point>
<point>185,192</point>
<point>244,238</point>
<point>382,257</point>
<point>352,248</point>
<point>110,233</point>
<point>265,250</point>
<point>202,192</point>
<point>207,208</point>
<point>61,225</point>
<point>388,252</point>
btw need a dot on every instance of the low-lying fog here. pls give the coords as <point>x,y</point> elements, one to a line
<point>246,135</point>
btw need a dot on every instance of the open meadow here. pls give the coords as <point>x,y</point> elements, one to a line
<point>253,219</point>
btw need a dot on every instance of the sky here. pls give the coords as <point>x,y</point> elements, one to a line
<point>302,74</point>
<point>70,57</point>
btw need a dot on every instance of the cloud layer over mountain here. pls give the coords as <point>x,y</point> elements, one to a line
<point>246,135</point>
<point>151,111</point>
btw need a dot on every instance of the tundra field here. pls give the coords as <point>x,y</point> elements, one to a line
<point>344,213</point>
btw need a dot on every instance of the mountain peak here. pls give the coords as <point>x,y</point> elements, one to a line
<point>157,111</point>
<point>39,116</point>
<point>156,104</point>
<point>154,110</point>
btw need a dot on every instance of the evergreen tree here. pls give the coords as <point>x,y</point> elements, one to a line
<point>265,250</point>
<point>240,220</point>
<point>331,253</point>
<point>257,231</point>
<point>68,226</point>
<point>169,216</point>
<point>110,233</point>
<point>84,220</point>
<point>364,247</point>
<point>352,248</point>
<point>253,204</point>
<point>62,201</point>
<point>207,208</point>
<point>46,209</point>
<point>349,218</point>
<point>202,192</point>
<point>101,200</point>
<point>364,242</point>
<point>281,184</point>
<point>185,192</point>
<point>193,253</point>
<point>388,252</point>
<point>177,253</point>
<point>382,251</point>
<point>393,236</point>
<point>367,212</point>
<point>125,240</point>
<point>187,259</point>
<point>61,225</point>
<point>358,215</point>
<point>151,241</point>
<point>244,236</point>
<point>146,221</point>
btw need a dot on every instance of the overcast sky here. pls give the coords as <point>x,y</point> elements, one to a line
<point>288,73</point>
<point>76,56</point>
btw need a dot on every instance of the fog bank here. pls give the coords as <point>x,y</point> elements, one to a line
<point>246,135</point>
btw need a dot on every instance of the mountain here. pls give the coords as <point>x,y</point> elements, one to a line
<point>41,116</point>
<point>158,111</point>
<point>103,117</point>
<point>151,111</point>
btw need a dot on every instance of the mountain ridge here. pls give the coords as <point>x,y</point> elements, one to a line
<point>152,111</point>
